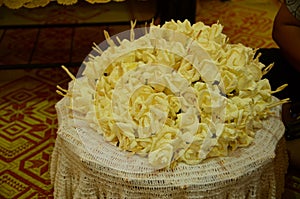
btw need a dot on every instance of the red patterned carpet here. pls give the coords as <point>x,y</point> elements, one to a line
<point>245,21</point>
<point>28,121</point>
<point>28,127</point>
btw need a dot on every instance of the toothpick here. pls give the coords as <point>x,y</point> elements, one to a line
<point>61,93</point>
<point>258,56</point>
<point>131,30</point>
<point>280,88</point>
<point>61,89</point>
<point>68,72</point>
<point>118,40</point>
<point>283,101</point>
<point>152,22</point>
<point>92,57</point>
<point>146,31</point>
<point>97,49</point>
<point>108,39</point>
<point>227,40</point>
<point>267,69</point>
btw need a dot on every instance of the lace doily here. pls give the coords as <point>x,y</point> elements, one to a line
<point>106,172</point>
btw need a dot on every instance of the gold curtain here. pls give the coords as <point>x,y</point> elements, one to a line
<point>15,4</point>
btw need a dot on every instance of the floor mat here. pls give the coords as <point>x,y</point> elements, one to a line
<point>245,21</point>
<point>28,126</point>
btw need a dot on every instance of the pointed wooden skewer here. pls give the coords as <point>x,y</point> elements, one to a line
<point>61,91</point>
<point>68,72</point>
<point>258,56</point>
<point>91,57</point>
<point>118,40</point>
<point>146,30</point>
<point>280,88</point>
<point>132,35</point>
<point>108,39</point>
<point>267,69</point>
<point>283,101</point>
<point>97,48</point>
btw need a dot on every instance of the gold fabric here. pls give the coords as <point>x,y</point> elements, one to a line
<point>16,4</point>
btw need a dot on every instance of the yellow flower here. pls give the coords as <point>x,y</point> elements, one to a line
<point>174,106</point>
<point>161,157</point>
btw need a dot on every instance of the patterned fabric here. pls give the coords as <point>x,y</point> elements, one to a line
<point>294,7</point>
<point>247,21</point>
<point>28,125</point>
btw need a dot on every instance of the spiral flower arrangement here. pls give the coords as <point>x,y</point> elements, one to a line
<point>179,93</point>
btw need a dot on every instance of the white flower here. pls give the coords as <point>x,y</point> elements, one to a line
<point>165,95</point>
<point>162,156</point>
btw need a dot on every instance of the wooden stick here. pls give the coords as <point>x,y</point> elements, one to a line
<point>119,40</point>
<point>108,39</point>
<point>267,69</point>
<point>68,72</point>
<point>62,89</point>
<point>91,57</point>
<point>97,48</point>
<point>279,103</point>
<point>258,56</point>
<point>280,88</point>
<point>132,35</point>
<point>61,93</point>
